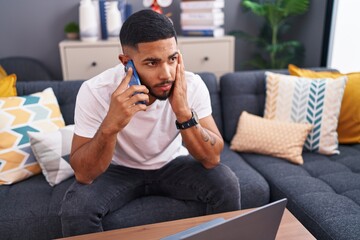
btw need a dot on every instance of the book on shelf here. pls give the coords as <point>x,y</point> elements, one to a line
<point>203,22</point>
<point>202,15</point>
<point>200,10</point>
<point>214,32</point>
<point>202,4</point>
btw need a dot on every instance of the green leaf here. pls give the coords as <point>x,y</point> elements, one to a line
<point>256,8</point>
<point>295,7</point>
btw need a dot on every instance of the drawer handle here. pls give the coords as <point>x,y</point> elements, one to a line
<point>206,59</point>
<point>93,64</point>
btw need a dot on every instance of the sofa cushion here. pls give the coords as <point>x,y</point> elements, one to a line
<point>38,112</point>
<point>254,189</point>
<point>349,119</point>
<point>52,151</point>
<point>65,94</point>
<point>323,193</point>
<point>270,137</point>
<point>313,101</point>
<point>8,86</point>
<point>29,209</point>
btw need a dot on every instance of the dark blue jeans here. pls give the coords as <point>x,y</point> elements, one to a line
<point>184,178</point>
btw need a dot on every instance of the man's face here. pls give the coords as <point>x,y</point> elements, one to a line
<point>156,63</point>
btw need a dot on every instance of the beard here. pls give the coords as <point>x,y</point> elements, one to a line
<point>165,94</point>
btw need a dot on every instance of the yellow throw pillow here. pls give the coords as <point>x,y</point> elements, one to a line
<point>38,112</point>
<point>270,137</point>
<point>2,72</point>
<point>8,86</point>
<point>349,119</point>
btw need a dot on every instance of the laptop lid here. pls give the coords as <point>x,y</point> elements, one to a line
<point>260,223</point>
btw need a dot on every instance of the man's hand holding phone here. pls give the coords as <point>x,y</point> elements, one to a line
<point>124,103</point>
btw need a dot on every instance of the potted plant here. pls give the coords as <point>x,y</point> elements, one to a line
<point>72,30</point>
<point>273,51</point>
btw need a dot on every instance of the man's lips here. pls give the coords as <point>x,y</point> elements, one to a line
<point>164,87</point>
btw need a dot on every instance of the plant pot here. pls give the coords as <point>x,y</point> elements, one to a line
<point>72,36</point>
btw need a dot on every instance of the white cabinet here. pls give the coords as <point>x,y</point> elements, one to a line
<point>83,60</point>
<point>204,54</point>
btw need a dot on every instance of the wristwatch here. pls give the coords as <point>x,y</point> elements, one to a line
<point>194,120</point>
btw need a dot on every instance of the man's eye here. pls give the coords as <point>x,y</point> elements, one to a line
<point>173,59</point>
<point>151,63</point>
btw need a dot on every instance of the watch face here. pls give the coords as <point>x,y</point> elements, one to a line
<point>164,3</point>
<point>148,3</point>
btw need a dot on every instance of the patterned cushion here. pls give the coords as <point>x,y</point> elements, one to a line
<point>38,112</point>
<point>8,86</point>
<point>50,149</point>
<point>349,119</point>
<point>270,137</point>
<point>304,100</point>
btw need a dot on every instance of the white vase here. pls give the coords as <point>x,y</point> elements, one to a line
<point>88,21</point>
<point>113,20</point>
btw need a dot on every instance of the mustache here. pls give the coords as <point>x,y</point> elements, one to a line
<point>164,83</point>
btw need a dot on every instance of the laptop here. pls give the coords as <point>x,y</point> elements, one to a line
<point>258,224</point>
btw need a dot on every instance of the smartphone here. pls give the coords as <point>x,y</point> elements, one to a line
<point>135,80</point>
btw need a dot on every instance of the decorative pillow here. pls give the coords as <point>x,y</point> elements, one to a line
<point>349,119</point>
<point>304,100</point>
<point>2,72</point>
<point>38,112</point>
<point>270,137</point>
<point>50,149</point>
<point>8,86</point>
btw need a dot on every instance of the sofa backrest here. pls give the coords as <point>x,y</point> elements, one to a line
<point>213,86</point>
<point>65,92</point>
<point>241,91</point>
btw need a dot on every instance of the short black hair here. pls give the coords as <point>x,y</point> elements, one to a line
<point>146,26</point>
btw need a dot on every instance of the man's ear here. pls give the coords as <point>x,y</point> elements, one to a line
<point>124,59</point>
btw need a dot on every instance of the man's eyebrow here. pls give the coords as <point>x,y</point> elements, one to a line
<point>153,59</point>
<point>173,55</point>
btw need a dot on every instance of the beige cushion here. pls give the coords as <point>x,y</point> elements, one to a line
<point>270,137</point>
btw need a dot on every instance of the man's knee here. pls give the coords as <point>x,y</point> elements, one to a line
<point>226,190</point>
<point>75,202</point>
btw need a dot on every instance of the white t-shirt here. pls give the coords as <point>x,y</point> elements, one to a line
<point>151,139</point>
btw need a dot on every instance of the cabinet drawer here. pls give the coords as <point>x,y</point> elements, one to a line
<point>210,57</point>
<point>86,62</point>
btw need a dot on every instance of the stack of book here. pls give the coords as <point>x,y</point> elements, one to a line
<point>202,18</point>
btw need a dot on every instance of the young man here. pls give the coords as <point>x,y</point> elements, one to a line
<point>128,140</point>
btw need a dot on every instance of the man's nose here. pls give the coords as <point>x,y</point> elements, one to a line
<point>165,72</point>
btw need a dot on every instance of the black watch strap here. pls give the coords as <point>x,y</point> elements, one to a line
<point>188,124</point>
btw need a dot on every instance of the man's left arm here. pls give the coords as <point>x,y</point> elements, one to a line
<point>204,142</point>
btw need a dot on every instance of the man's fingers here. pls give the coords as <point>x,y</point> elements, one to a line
<point>124,83</point>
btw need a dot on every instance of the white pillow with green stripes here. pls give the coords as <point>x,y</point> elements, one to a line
<point>306,100</point>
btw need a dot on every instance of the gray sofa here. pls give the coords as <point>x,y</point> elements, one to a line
<point>324,193</point>
<point>29,209</point>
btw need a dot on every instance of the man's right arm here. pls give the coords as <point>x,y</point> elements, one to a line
<point>90,157</point>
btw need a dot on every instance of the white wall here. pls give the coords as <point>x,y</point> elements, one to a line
<point>344,47</point>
